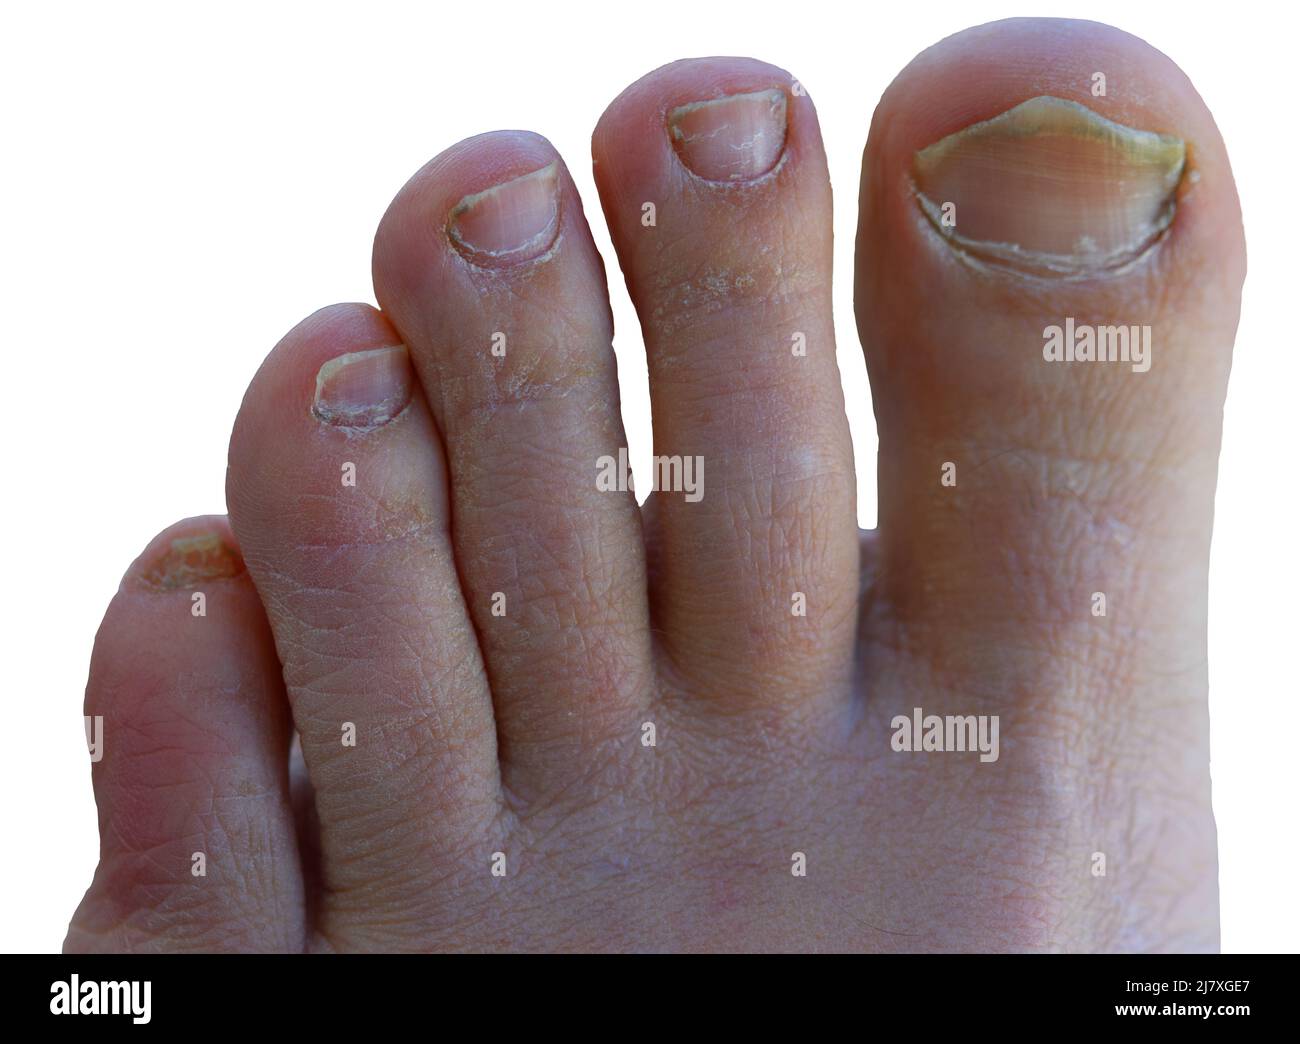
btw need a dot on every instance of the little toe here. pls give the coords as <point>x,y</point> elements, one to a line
<point>189,732</point>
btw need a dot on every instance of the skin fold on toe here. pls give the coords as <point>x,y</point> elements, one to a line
<point>536,717</point>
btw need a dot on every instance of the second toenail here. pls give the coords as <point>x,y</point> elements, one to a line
<point>514,221</point>
<point>362,390</point>
<point>1051,187</point>
<point>738,137</point>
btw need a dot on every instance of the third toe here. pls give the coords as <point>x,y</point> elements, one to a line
<point>485,264</point>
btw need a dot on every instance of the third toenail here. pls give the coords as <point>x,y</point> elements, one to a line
<point>362,390</point>
<point>514,221</point>
<point>1051,187</point>
<point>735,138</point>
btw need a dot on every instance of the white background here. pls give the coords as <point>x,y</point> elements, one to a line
<point>180,185</point>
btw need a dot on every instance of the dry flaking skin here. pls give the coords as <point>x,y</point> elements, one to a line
<point>1050,187</point>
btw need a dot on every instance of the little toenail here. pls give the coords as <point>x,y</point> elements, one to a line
<point>736,138</point>
<point>508,223</point>
<point>363,390</point>
<point>189,561</point>
<point>1051,187</point>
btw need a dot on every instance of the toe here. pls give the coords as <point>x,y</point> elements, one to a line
<point>486,266</point>
<point>1123,231</point>
<point>1050,261</point>
<point>337,492</point>
<point>189,735</point>
<point>714,183</point>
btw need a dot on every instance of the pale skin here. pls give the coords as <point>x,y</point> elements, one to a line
<point>514,741</point>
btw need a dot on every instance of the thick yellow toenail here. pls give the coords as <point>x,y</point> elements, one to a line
<point>188,561</point>
<point>1051,187</point>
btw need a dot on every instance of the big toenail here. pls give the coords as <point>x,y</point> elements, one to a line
<point>736,138</point>
<point>1051,187</point>
<point>514,221</point>
<point>189,561</point>
<point>362,390</point>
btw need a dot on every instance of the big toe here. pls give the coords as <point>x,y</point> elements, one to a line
<point>1050,260</point>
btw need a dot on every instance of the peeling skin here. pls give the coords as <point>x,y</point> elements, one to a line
<point>1050,187</point>
<point>189,561</point>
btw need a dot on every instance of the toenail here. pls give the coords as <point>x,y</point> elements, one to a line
<point>508,223</point>
<point>363,390</point>
<point>1051,187</point>
<point>736,138</point>
<point>188,561</point>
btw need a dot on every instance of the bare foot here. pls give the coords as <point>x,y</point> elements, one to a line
<point>536,717</point>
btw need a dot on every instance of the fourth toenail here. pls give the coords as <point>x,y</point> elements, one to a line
<point>1051,187</point>
<point>514,221</point>
<point>362,390</point>
<point>738,137</point>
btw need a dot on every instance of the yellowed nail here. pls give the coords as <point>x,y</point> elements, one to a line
<point>189,561</point>
<point>1051,187</point>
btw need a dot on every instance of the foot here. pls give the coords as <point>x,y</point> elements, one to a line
<point>441,684</point>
